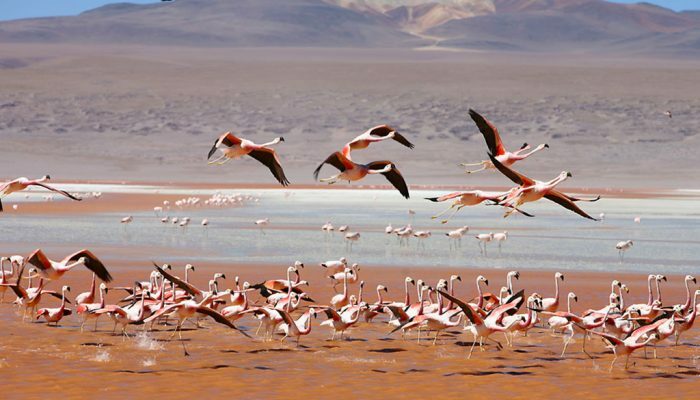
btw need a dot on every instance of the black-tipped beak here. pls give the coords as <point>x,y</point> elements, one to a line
<point>281,139</point>
<point>459,278</point>
<point>695,281</point>
<point>223,276</point>
<point>569,174</point>
<point>48,176</point>
<point>523,146</point>
<point>386,290</point>
<point>576,299</point>
<point>486,281</point>
<point>213,150</point>
<point>546,146</point>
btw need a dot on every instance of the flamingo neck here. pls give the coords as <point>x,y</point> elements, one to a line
<point>651,295</point>
<point>658,290</point>
<point>622,300</point>
<point>379,297</point>
<point>556,290</point>
<point>2,270</point>
<point>407,299</point>
<point>479,303</point>
<point>687,296</point>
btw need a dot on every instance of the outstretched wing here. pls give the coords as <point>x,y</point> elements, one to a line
<point>574,199</point>
<point>490,132</point>
<point>269,158</point>
<point>567,203</point>
<point>511,174</point>
<point>39,260</point>
<point>189,289</point>
<point>226,139</point>
<point>394,176</point>
<point>471,315</point>
<point>216,316</point>
<point>92,263</point>
<point>385,130</point>
<point>337,159</point>
<point>62,192</point>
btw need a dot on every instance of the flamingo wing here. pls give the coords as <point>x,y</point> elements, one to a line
<point>269,158</point>
<point>574,199</point>
<point>226,139</point>
<point>92,263</point>
<point>216,316</point>
<point>473,317</point>
<point>39,260</point>
<point>332,314</point>
<point>337,160</point>
<point>393,176</point>
<point>54,294</point>
<point>568,204</point>
<point>511,174</point>
<point>610,338</point>
<point>490,132</point>
<point>385,130</point>
<point>188,288</point>
<point>510,306</point>
<point>286,317</point>
<point>448,196</point>
<point>53,189</point>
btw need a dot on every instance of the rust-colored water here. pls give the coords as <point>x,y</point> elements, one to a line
<point>37,360</point>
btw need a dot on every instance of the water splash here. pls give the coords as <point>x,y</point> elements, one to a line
<point>102,356</point>
<point>144,341</point>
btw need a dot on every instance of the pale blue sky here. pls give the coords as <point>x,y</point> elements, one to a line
<point>14,9</point>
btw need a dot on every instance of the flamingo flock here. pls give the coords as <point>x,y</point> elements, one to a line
<point>284,306</point>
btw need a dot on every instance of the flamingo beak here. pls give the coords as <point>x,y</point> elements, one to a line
<point>213,150</point>
<point>546,146</point>
<point>223,276</point>
<point>459,278</point>
<point>486,281</point>
<point>576,299</point>
<point>568,174</point>
<point>695,281</point>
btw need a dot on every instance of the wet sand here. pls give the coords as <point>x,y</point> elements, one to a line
<point>36,358</point>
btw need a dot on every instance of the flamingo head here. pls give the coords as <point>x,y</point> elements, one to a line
<point>481,278</point>
<point>382,287</point>
<point>343,260</point>
<point>573,296</point>
<point>298,264</point>
<point>65,288</point>
<point>189,267</point>
<point>625,288</point>
<point>455,278</point>
<point>246,285</point>
<point>410,280</point>
<point>691,278</point>
<point>514,274</point>
<point>661,278</point>
<point>559,275</point>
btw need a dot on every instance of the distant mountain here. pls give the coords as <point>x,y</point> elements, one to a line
<point>523,25</point>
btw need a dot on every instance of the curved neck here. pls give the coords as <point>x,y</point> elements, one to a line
<point>359,295</point>
<point>622,300</point>
<point>407,300</point>
<point>568,304</point>
<point>479,303</point>
<point>658,290</point>
<point>509,283</point>
<point>379,296</point>
<point>556,288</point>
<point>687,295</point>
<point>651,295</point>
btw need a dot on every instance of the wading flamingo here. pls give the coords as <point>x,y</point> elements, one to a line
<point>622,247</point>
<point>56,314</point>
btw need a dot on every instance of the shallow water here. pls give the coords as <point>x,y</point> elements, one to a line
<point>667,239</point>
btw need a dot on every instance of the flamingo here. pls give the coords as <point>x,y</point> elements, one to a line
<point>688,320</point>
<point>374,135</point>
<point>123,316</point>
<point>557,322</point>
<point>378,307</point>
<point>298,328</point>
<point>532,190</point>
<point>456,236</point>
<point>19,184</point>
<point>484,238</point>
<point>352,237</point>
<point>341,322</point>
<point>524,322</point>
<point>352,171</point>
<point>234,147</point>
<point>236,311</point>
<point>483,328</point>
<point>551,304</point>
<point>464,199</point>
<point>187,309</point>
<point>622,247</point>
<point>335,266</point>
<point>262,223</point>
<point>500,238</point>
<point>421,236</point>
<point>495,145</point>
<point>342,276</point>
<point>341,300</point>
<point>687,280</point>
<point>87,297</point>
<point>624,347</point>
<point>53,270</point>
<point>56,314</point>
<point>85,309</point>
<point>5,276</point>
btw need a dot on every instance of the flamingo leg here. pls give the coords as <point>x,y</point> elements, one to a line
<point>444,212</point>
<point>566,344</point>
<point>612,364</point>
<point>472,348</point>
<point>444,221</point>
<point>585,335</point>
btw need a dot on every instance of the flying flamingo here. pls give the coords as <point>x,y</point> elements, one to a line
<point>532,190</point>
<point>55,314</point>
<point>374,135</point>
<point>495,145</point>
<point>464,199</point>
<point>352,171</point>
<point>55,270</point>
<point>233,147</point>
<point>22,183</point>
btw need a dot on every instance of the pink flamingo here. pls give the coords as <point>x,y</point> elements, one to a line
<point>56,314</point>
<point>352,171</point>
<point>19,184</point>
<point>687,322</point>
<point>464,199</point>
<point>85,310</point>
<point>624,347</point>
<point>551,304</point>
<point>234,147</point>
<point>298,328</point>
<point>495,145</point>
<point>374,135</point>
<point>55,270</point>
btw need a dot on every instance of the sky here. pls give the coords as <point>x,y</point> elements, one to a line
<point>15,9</point>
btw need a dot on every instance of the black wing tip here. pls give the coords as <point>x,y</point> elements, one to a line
<point>433,199</point>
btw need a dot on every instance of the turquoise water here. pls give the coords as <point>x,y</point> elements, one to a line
<point>667,239</point>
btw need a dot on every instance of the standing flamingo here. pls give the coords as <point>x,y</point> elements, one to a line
<point>55,314</point>
<point>622,247</point>
<point>551,304</point>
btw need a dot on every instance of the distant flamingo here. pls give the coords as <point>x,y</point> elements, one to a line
<point>622,247</point>
<point>456,236</point>
<point>483,239</point>
<point>500,237</point>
